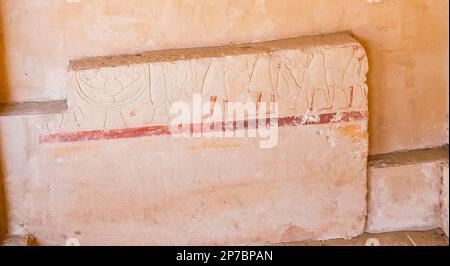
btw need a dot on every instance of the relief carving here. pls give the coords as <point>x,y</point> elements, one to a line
<point>261,79</point>
<point>107,98</point>
<point>300,80</point>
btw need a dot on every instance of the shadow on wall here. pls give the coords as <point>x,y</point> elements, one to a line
<point>4,96</point>
<point>4,92</point>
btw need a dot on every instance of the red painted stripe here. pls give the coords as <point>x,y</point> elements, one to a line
<point>165,130</point>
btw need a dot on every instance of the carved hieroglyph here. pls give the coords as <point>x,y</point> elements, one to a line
<point>313,76</point>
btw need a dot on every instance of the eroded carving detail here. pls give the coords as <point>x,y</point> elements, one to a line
<point>313,79</point>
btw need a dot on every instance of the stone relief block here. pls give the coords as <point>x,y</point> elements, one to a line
<point>167,190</point>
<point>303,75</point>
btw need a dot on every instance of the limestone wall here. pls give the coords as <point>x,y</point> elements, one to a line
<point>67,173</point>
<point>405,40</point>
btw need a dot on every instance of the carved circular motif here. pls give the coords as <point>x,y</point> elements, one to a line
<point>112,87</point>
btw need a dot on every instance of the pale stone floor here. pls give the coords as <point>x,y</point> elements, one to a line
<point>435,237</point>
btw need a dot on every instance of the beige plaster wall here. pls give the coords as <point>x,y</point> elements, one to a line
<point>407,43</point>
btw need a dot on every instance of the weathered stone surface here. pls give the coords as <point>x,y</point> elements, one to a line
<point>319,73</point>
<point>108,171</point>
<point>444,199</point>
<point>408,79</point>
<point>404,190</point>
<point>165,191</point>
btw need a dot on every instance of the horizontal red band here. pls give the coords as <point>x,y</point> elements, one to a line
<point>165,130</point>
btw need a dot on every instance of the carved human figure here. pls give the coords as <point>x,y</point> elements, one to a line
<point>180,77</point>
<point>261,80</point>
<point>238,75</point>
<point>297,64</point>
<point>355,75</point>
<point>159,92</point>
<point>315,79</point>
<point>337,63</point>
<point>362,69</point>
<point>215,87</point>
<point>214,82</point>
<point>286,88</point>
